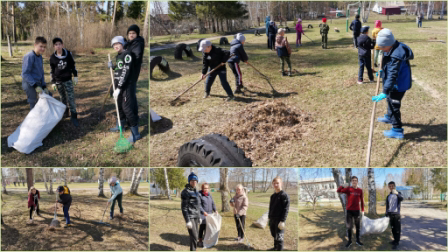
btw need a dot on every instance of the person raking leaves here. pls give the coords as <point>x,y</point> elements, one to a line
<point>240,203</point>
<point>238,54</point>
<point>191,209</point>
<point>65,199</point>
<point>278,212</point>
<point>33,202</point>
<point>116,196</point>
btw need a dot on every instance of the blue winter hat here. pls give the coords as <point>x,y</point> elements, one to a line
<point>192,176</point>
<point>365,29</point>
<point>385,38</point>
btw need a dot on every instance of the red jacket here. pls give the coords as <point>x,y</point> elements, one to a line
<point>31,199</point>
<point>353,197</point>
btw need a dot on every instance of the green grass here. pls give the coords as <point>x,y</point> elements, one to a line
<point>129,232</point>
<point>168,231</point>
<point>89,145</point>
<point>166,39</point>
<point>326,88</point>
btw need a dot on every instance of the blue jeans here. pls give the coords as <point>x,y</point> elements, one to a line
<point>66,215</point>
<point>223,77</point>
<point>419,24</point>
<point>367,62</point>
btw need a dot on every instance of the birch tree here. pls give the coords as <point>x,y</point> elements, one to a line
<point>51,181</point>
<point>3,182</point>
<point>224,188</point>
<point>167,184</point>
<point>65,176</point>
<point>372,191</point>
<point>101,183</point>
<point>145,25</point>
<point>337,175</point>
<point>136,181</point>
<point>44,175</point>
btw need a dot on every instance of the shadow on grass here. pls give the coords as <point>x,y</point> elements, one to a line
<point>162,126</point>
<point>159,247</point>
<point>171,76</point>
<point>427,132</point>
<point>176,238</point>
<point>10,235</point>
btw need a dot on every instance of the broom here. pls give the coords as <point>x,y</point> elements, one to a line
<point>122,145</point>
<point>55,222</point>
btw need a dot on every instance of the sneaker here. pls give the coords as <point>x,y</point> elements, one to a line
<point>283,73</point>
<point>395,246</point>
<point>394,133</point>
<point>237,239</point>
<point>230,98</point>
<point>360,82</point>
<point>238,91</point>
<point>289,74</point>
<point>111,218</point>
<point>372,80</point>
<point>384,119</point>
<point>206,95</point>
<point>359,243</point>
<point>241,240</point>
<point>349,243</point>
<point>297,45</point>
<point>200,244</point>
<point>67,225</point>
<point>392,243</point>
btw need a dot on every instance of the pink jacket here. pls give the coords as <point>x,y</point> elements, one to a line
<point>241,203</point>
<point>299,28</point>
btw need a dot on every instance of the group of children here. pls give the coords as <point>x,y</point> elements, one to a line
<point>355,211</point>
<point>197,205</point>
<point>65,200</point>
<point>62,64</point>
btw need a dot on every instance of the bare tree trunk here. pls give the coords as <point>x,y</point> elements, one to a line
<point>139,177</point>
<point>14,36</point>
<point>3,182</point>
<point>29,177</point>
<point>101,183</point>
<point>145,25</point>
<point>372,191</point>
<point>113,17</point>
<point>348,175</point>
<point>81,30</point>
<point>51,181</point>
<point>443,10</point>
<point>337,175</point>
<point>9,45</point>
<point>134,177</point>
<point>108,9</point>
<point>44,175</point>
<point>167,184</point>
<point>65,176</point>
<point>224,188</point>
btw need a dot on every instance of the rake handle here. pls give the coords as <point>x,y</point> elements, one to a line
<point>247,62</point>
<point>110,87</point>
<point>372,120</point>
<point>116,102</point>
<point>194,84</point>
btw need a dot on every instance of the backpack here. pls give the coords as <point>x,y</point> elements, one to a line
<point>66,190</point>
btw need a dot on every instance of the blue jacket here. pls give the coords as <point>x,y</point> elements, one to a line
<point>397,73</point>
<point>206,205</point>
<point>115,191</point>
<point>393,203</point>
<point>355,26</point>
<point>33,71</point>
<point>238,49</point>
<point>267,20</point>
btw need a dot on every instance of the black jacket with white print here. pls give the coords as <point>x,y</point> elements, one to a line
<point>124,69</point>
<point>62,67</point>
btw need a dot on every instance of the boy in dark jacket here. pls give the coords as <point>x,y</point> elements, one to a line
<point>125,87</point>
<point>272,32</point>
<point>207,206</point>
<point>365,44</point>
<point>136,45</point>
<point>33,81</point>
<point>62,66</point>
<point>393,206</point>
<point>212,57</point>
<point>237,50</point>
<point>324,28</point>
<point>66,200</point>
<point>355,26</point>
<point>278,212</point>
<point>397,79</point>
<point>191,209</point>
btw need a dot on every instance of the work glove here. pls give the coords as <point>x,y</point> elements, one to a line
<point>200,221</point>
<point>110,65</point>
<point>237,216</point>
<point>39,90</point>
<point>116,93</point>
<point>75,81</point>
<point>394,192</point>
<point>54,87</point>
<point>189,225</point>
<point>380,73</point>
<point>362,213</point>
<point>281,225</point>
<point>379,97</point>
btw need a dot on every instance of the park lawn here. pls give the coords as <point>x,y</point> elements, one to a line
<point>326,87</point>
<point>168,231</point>
<point>41,185</point>
<point>89,145</point>
<point>324,229</point>
<point>437,205</point>
<point>129,232</point>
<point>167,39</point>
<point>260,197</point>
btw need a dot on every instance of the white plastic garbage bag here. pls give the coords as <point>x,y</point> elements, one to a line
<point>377,226</point>
<point>212,230</point>
<point>154,116</point>
<point>39,122</point>
<point>262,222</point>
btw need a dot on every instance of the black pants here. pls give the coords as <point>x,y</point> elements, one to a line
<point>393,108</point>
<point>353,216</point>
<point>239,227</point>
<point>194,234</point>
<point>237,72</point>
<point>201,231</point>
<point>32,210</point>
<point>277,234</point>
<point>365,62</point>
<point>355,40</point>
<point>395,223</point>
<point>128,106</point>
<point>223,77</point>
<point>271,41</point>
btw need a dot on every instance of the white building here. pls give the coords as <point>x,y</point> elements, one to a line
<point>325,186</point>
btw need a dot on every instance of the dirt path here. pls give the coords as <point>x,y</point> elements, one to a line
<point>193,41</point>
<point>291,209</point>
<point>422,227</point>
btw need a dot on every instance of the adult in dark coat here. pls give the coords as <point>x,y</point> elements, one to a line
<point>207,207</point>
<point>355,26</point>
